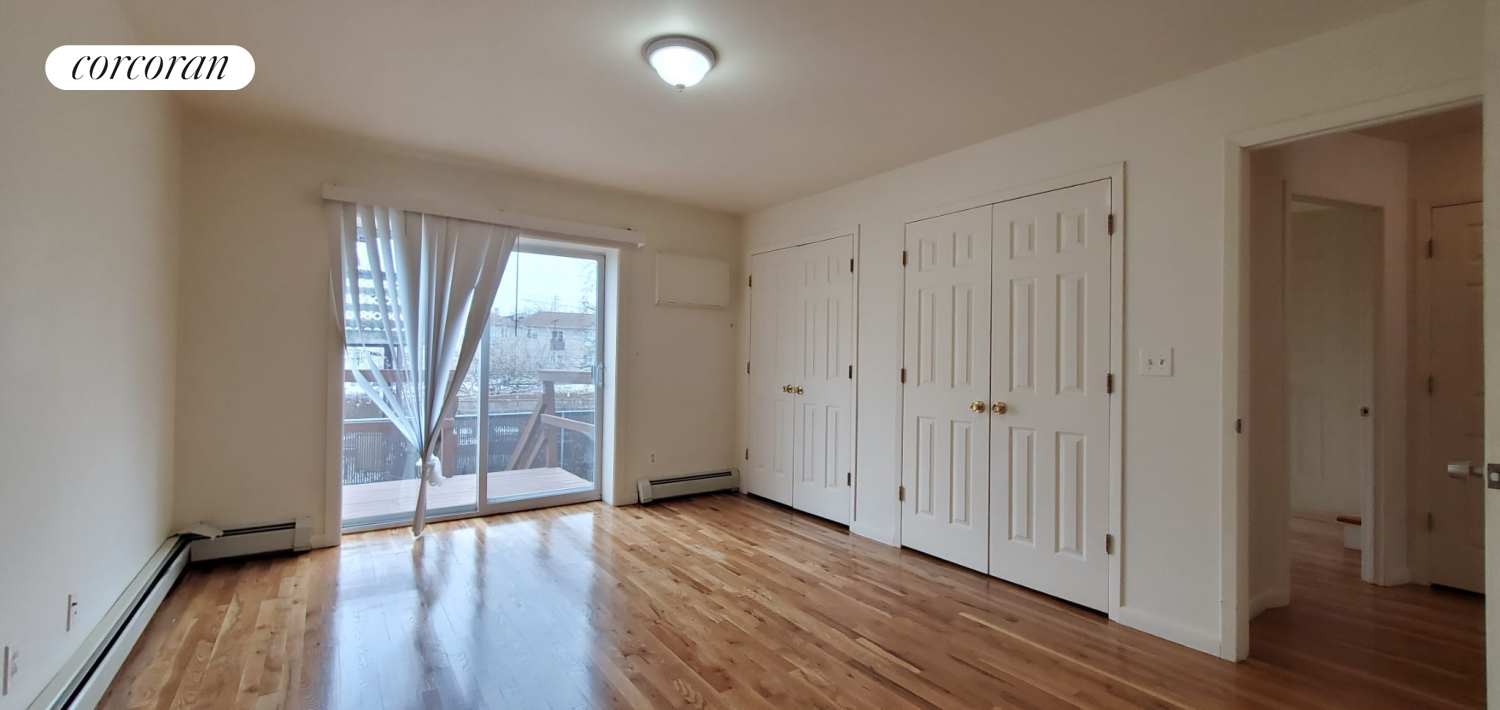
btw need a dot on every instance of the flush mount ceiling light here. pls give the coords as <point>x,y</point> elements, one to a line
<point>680,61</point>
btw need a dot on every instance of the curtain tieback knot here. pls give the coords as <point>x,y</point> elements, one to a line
<point>431,470</point>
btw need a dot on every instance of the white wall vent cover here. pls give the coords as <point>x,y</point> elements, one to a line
<point>683,280</point>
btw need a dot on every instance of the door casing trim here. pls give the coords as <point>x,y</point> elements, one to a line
<point>1234,586</point>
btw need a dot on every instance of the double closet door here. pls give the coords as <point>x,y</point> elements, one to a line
<point>802,377</point>
<point>1005,415</point>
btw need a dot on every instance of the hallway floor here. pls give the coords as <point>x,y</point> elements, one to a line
<point>1421,643</point>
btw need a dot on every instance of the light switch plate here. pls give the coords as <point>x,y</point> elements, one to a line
<point>1156,363</point>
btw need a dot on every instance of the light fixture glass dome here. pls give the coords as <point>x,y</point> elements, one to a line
<point>680,61</point>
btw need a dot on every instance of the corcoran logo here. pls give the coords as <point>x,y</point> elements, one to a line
<point>123,67</point>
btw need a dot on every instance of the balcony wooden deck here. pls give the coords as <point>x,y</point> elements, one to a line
<point>399,498</point>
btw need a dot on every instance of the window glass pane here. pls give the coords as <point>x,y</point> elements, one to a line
<point>542,385</point>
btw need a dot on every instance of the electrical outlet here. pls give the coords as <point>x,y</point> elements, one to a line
<point>651,458</point>
<point>1156,363</point>
<point>72,613</point>
<point>9,667</point>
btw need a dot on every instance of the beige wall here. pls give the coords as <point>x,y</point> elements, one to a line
<point>88,249</point>
<point>1349,168</point>
<point>1447,169</point>
<point>254,348</point>
<point>1179,577</point>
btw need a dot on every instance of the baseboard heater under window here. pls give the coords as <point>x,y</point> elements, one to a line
<point>294,536</point>
<point>691,484</point>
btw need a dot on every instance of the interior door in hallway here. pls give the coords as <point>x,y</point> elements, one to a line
<point>1457,400</point>
<point>1332,270</point>
<point>823,386</point>
<point>945,473</point>
<point>1049,429</point>
<point>773,349</point>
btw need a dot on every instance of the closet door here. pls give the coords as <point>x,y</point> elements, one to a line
<point>945,429</point>
<point>823,391</point>
<point>773,347</point>
<point>1050,490</point>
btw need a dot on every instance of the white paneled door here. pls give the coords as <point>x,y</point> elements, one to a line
<point>823,391</point>
<point>773,350</point>
<point>801,377</point>
<point>1049,422</point>
<point>945,472</point>
<point>1456,436</point>
<point>1332,268</point>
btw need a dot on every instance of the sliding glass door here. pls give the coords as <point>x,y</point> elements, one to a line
<point>540,363</point>
<point>523,432</point>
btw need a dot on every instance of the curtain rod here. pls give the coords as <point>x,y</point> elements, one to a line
<point>539,226</point>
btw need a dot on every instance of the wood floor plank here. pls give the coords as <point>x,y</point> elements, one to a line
<point>724,601</point>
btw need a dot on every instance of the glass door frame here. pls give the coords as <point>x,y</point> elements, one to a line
<point>542,246</point>
<point>609,314</point>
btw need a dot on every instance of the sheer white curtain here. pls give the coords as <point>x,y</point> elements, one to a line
<point>412,292</point>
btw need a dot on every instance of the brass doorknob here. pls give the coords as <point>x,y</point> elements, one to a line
<point>1000,408</point>
<point>786,388</point>
<point>797,389</point>
<point>976,406</point>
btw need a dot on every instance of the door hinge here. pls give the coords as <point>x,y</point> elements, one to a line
<point>1109,383</point>
<point>1429,522</point>
<point>1430,248</point>
<point>1110,222</point>
<point>903,375</point>
<point>851,266</point>
<point>903,257</point>
<point>750,283</point>
<point>1431,384</point>
<point>901,493</point>
<point>851,372</point>
<point>849,478</point>
<point>1239,426</point>
<point>747,367</point>
<point>747,454</point>
<point>1109,544</point>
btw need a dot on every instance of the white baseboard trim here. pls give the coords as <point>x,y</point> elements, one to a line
<point>1397,577</point>
<point>885,536</point>
<point>1195,639</point>
<point>1269,599</point>
<point>83,679</point>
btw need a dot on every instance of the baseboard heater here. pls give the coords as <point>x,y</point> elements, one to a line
<point>294,536</point>
<point>81,682</point>
<point>690,484</point>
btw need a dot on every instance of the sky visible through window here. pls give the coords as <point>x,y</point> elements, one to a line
<point>532,282</point>
<point>544,282</point>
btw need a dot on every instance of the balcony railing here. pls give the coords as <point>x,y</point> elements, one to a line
<point>375,451</point>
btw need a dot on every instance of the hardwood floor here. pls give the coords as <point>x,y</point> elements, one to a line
<point>724,601</point>
<point>1415,646</point>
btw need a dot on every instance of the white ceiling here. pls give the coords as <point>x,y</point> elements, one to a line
<point>808,94</point>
